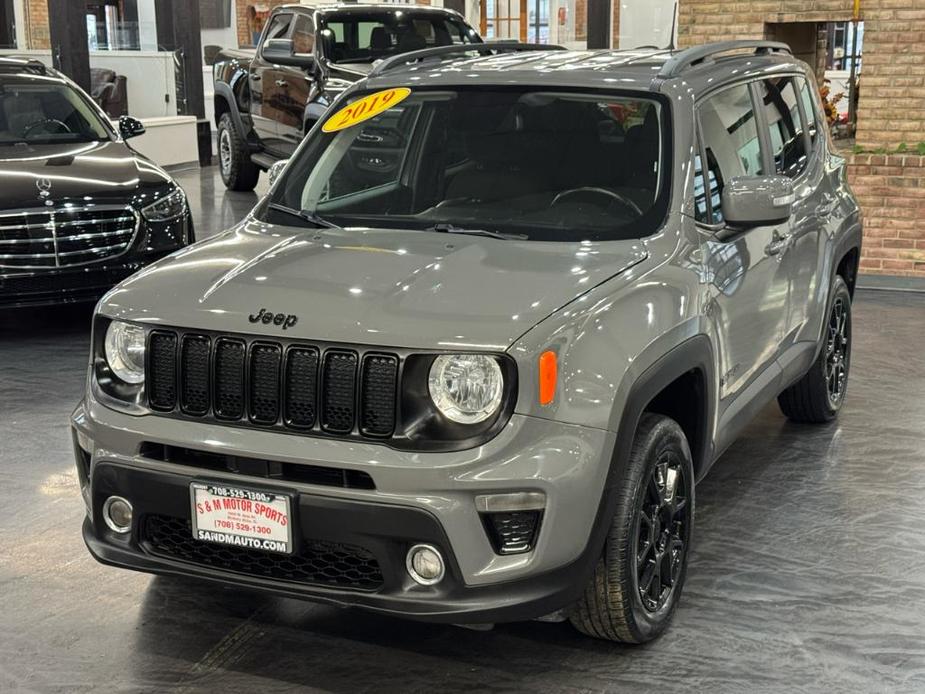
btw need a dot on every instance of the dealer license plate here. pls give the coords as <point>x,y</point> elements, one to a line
<point>241,517</point>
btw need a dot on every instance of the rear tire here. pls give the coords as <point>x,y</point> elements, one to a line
<point>234,161</point>
<point>818,396</point>
<point>638,581</point>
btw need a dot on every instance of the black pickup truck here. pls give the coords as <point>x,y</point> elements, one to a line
<point>267,100</point>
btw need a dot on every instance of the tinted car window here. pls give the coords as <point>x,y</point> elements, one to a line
<point>278,27</point>
<point>303,34</point>
<point>787,144</point>
<point>36,112</point>
<point>730,144</point>
<point>357,38</point>
<point>551,166</point>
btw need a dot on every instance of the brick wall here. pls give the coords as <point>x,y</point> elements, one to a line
<point>891,189</point>
<point>891,108</point>
<point>36,21</point>
<point>615,25</point>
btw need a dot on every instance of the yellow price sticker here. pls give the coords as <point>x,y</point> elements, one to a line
<point>365,108</point>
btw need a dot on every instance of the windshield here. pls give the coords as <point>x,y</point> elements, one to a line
<point>548,165</point>
<point>362,38</point>
<point>35,111</point>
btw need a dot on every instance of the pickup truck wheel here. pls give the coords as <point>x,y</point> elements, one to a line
<point>637,582</point>
<point>818,396</point>
<point>234,162</point>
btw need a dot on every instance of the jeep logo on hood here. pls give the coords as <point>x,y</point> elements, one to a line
<point>265,316</point>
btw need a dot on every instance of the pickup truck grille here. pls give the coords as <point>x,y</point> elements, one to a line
<point>64,237</point>
<point>262,383</point>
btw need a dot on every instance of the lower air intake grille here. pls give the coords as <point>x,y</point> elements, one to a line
<point>512,532</point>
<point>318,562</point>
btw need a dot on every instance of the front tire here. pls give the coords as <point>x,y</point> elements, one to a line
<point>234,161</point>
<point>638,581</point>
<point>819,395</point>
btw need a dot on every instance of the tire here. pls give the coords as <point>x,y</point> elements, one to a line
<point>819,395</point>
<point>234,162</point>
<point>613,607</point>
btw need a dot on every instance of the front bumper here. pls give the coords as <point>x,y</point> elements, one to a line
<point>419,498</point>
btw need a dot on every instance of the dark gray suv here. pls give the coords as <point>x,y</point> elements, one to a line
<point>468,358</point>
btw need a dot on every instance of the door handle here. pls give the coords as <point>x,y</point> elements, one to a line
<point>779,243</point>
<point>281,83</point>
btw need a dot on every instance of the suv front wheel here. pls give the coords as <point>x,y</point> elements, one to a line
<point>234,162</point>
<point>637,582</point>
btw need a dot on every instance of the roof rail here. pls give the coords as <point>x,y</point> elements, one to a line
<point>18,64</point>
<point>439,51</point>
<point>689,57</point>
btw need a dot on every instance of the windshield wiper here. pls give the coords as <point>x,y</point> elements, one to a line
<point>451,229</point>
<point>305,215</point>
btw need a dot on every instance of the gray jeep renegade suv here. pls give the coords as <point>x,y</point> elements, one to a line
<point>468,358</point>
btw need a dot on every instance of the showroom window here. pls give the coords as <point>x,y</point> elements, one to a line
<point>731,146</point>
<point>787,143</point>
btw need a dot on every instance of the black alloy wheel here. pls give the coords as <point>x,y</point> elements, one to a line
<point>820,393</point>
<point>837,352</point>
<point>662,532</point>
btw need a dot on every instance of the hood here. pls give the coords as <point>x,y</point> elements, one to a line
<point>103,171</point>
<point>411,289</point>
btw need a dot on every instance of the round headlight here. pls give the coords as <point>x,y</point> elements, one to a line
<point>466,388</point>
<point>125,351</point>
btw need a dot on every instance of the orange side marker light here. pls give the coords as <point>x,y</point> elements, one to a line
<point>549,372</point>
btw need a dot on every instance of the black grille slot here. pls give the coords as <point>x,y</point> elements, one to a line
<point>162,370</point>
<point>264,382</point>
<point>194,375</point>
<point>380,380</point>
<point>338,391</point>
<point>301,386</point>
<point>318,562</point>
<point>229,378</point>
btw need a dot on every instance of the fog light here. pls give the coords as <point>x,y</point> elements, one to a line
<point>425,565</point>
<point>117,512</point>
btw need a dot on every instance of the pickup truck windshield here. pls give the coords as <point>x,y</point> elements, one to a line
<point>554,166</point>
<point>361,38</point>
<point>37,112</point>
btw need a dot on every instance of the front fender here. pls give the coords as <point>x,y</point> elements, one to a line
<point>605,339</point>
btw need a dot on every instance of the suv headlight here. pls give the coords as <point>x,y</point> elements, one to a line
<point>124,348</point>
<point>466,388</point>
<point>166,208</point>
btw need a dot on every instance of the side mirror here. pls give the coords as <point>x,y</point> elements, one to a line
<point>276,170</point>
<point>130,127</point>
<point>282,52</point>
<point>752,201</point>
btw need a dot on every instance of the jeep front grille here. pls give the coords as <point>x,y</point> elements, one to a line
<point>253,381</point>
<point>64,236</point>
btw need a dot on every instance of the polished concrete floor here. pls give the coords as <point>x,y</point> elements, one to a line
<point>807,573</point>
